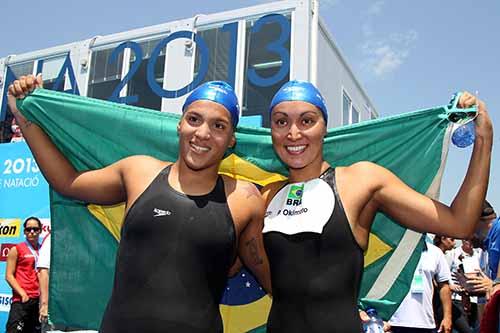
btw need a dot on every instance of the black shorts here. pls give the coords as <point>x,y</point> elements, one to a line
<point>23,317</point>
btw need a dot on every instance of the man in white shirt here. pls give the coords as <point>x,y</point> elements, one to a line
<point>468,259</point>
<point>43,266</point>
<point>415,314</point>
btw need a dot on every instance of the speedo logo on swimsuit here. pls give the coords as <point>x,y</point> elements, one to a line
<point>294,197</point>
<point>161,212</point>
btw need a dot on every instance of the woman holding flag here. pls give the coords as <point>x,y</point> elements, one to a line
<point>318,221</point>
<point>183,225</point>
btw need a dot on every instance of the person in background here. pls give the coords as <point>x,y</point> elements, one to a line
<point>22,277</point>
<point>415,314</point>
<point>465,261</point>
<point>43,267</point>
<point>458,317</point>
<point>17,136</point>
<point>489,233</point>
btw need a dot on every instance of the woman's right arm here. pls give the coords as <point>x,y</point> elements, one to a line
<point>9,274</point>
<point>102,186</point>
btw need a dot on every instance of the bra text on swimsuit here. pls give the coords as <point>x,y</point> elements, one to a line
<point>295,195</point>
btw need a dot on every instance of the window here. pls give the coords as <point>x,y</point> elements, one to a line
<point>104,76</point>
<point>22,69</point>
<point>256,99</point>
<point>218,44</point>
<point>350,115</point>
<point>50,71</point>
<point>138,84</point>
<point>346,108</point>
<point>354,116</point>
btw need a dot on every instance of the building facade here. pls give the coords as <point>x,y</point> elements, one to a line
<point>255,49</point>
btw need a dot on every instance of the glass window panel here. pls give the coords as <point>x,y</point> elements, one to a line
<point>218,44</point>
<point>103,76</point>
<point>138,84</point>
<point>256,99</point>
<point>355,116</point>
<point>346,106</point>
<point>50,70</point>
<point>22,69</point>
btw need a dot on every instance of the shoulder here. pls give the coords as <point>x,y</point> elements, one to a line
<point>363,168</point>
<point>242,189</point>
<point>141,166</point>
<point>244,199</point>
<point>139,161</point>
<point>13,251</point>
<point>270,190</point>
<point>434,250</point>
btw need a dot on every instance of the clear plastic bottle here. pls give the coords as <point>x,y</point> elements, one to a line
<point>464,135</point>
<point>375,324</point>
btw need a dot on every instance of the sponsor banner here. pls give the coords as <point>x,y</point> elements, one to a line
<point>10,228</point>
<point>4,250</point>
<point>24,193</point>
<point>5,301</point>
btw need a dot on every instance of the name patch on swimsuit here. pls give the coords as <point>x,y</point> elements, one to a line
<point>300,207</point>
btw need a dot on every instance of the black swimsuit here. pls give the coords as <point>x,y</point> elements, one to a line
<point>316,263</point>
<point>172,264</point>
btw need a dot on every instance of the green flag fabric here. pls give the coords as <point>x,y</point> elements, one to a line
<point>93,133</point>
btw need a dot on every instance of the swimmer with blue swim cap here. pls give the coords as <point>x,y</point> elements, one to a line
<point>185,223</point>
<point>218,92</point>
<point>318,221</point>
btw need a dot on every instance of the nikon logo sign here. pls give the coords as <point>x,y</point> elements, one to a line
<point>10,227</point>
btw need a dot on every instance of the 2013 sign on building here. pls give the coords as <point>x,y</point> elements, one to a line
<point>277,57</point>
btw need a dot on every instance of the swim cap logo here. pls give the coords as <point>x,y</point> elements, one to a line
<point>294,197</point>
<point>219,89</point>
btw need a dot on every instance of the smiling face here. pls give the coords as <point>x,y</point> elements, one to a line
<point>297,130</point>
<point>205,132</point>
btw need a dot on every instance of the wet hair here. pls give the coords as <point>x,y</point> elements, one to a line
<point>34,219</point>
<point>487,209</point>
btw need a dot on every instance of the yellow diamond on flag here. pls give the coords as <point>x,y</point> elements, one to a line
<point>243,318</point>
<point>236,167</point>
<point>376,249</point>
<point>110,216</point>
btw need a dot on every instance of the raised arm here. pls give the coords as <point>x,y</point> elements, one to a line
<point>421,213</point>
<point>103,186</point>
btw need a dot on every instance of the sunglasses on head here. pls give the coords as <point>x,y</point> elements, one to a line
<point>32,229</point>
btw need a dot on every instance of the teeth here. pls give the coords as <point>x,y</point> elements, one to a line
<point>201,149</point>
<point>295,148</point>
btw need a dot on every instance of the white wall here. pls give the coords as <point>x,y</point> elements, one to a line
<point>334,75</point>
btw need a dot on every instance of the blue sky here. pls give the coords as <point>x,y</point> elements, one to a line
<point>408,55</point>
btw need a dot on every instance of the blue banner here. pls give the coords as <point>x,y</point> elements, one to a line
<point>23,193</point>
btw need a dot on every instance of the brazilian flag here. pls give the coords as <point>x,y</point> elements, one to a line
<point>94,133</point>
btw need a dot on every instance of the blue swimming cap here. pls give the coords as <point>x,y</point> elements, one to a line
<point>300,91</point>
<point>218,92</point>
